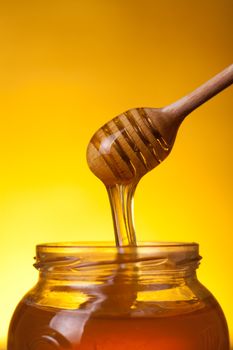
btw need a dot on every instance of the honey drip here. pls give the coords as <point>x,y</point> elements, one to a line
<point>121,201</point>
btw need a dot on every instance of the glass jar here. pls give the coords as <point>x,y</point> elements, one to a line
<point>107,298</point>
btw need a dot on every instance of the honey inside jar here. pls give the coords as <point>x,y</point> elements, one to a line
<point>109,298</point>
<point>202,329</point>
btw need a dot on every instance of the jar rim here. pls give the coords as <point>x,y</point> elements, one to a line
<point>92,253</point>
<point>111,244</point>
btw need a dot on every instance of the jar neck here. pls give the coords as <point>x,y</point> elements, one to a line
<point>145,264</point>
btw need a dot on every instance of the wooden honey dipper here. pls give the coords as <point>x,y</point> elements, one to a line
<point>133,143</point>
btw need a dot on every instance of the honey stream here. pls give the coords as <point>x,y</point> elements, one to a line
<point>121,199</point>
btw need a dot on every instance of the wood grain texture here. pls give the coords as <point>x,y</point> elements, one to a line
<point>126,148</point>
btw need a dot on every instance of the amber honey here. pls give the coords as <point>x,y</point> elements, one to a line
<point>36,328</point>
<point>109,298</point>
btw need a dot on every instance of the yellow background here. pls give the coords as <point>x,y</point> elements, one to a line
<point>66,67</point>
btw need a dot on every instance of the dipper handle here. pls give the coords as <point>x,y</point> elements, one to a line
<point>181,108</point>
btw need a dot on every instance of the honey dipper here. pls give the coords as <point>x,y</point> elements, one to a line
<point>136,141</point>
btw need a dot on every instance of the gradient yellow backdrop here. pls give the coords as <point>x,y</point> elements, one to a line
<point>66,67</point>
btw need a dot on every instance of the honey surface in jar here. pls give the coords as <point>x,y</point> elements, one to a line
<point>47,329</point>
